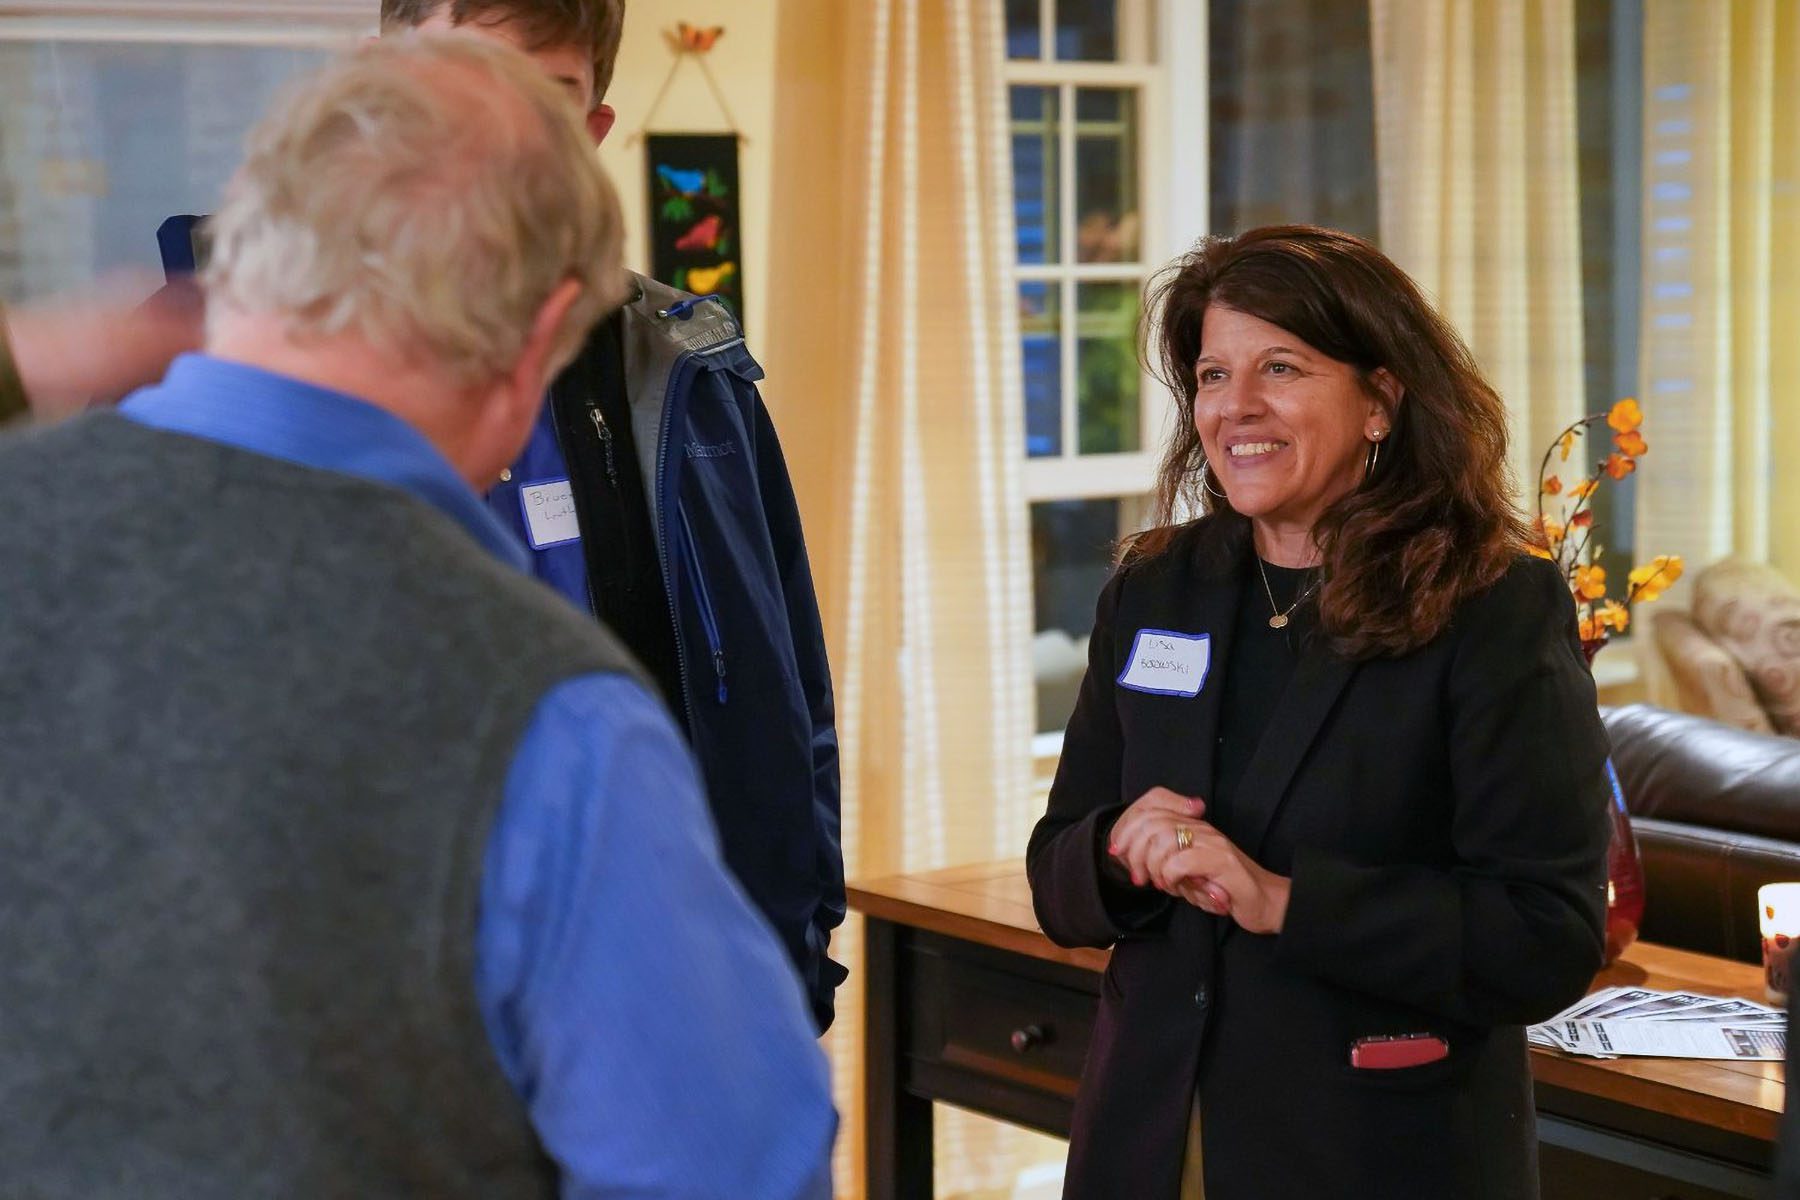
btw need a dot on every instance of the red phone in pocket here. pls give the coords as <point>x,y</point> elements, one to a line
<point>1397,1051</point>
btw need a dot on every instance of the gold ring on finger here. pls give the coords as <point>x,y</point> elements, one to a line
<point>1184,837</point>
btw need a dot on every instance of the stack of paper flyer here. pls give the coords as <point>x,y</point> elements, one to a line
<point>1623,1021</point>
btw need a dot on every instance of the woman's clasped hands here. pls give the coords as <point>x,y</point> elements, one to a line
<point>1162,842</point>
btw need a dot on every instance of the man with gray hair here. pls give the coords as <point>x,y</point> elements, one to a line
<point>343,858</point>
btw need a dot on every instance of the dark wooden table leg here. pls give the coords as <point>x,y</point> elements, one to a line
<point>898,1123</point>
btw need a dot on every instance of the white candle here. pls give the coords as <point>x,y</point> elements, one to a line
<point>1778,912</point>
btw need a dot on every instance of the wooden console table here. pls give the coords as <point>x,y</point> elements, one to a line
<point>970,1004</point>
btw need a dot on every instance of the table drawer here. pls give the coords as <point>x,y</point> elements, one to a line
<point>1579,1162</point>
<point>1010,1023</point>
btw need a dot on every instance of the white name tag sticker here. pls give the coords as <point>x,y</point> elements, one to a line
<point>1165,663</point>
<point>549,513</point>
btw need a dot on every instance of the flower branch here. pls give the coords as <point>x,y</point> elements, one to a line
<point>1570,543</point>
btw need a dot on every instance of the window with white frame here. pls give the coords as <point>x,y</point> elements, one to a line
<point>115,116</point>
<point>1087,108</point>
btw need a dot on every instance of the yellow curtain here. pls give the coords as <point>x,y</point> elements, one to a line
<point>894,378</point>
<point>1721,298</point>
<point>1475,139</point>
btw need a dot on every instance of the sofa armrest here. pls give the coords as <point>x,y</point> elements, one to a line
<point>1696,771</point>
<point>1700,885</point>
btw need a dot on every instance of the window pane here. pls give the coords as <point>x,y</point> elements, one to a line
<point>1106,183</point>
<point>1087,30</point>
<point>100,141</point>
<point>1106,367</point>
<point>1071,555</point>
<point>1073,543</point>
<point>1036,128</point>
<point>1040,336</point>
<point>1024,29</point>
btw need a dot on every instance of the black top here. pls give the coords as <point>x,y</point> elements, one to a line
<point>612,503</point>
<point>1261,664</point>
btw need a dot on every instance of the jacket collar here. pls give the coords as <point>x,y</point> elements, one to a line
<point>1312,693</point>
<point>1216,563</point>
<point>664,332</point>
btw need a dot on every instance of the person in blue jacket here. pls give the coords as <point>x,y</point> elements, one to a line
<point>654,495</point>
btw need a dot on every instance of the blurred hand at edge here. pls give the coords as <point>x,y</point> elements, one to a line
<point>97,346</point>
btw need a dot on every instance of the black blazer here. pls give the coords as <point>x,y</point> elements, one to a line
<point>1443,819</point>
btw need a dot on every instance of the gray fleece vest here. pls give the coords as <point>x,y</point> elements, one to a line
<point>255,722</point>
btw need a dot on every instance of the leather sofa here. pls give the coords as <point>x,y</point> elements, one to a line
<point>1716,811</point>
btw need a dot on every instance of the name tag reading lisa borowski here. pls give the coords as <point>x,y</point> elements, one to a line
<point>1164,663</point>
<point>549,513</point>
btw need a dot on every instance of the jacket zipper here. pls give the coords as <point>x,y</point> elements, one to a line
<point>662,468</point>
<point>708,619</point>
<point>587,576</point>
<point>604,432</point>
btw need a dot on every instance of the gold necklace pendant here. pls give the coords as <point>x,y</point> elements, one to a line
<point>1280,619</point>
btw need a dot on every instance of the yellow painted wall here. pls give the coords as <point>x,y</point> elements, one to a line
<point>743,63</point>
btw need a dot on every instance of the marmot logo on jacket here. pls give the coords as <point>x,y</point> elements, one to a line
<point>710,450</point>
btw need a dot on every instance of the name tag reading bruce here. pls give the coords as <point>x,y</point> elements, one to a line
<point>1164,663</point>
<point>549,513</point>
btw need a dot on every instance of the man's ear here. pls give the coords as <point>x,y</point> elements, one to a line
<point>533,372</point>
<point>600,122</point>
<point>511,405</point>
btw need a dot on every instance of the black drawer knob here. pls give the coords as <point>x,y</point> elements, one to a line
<point>1029,1038</point>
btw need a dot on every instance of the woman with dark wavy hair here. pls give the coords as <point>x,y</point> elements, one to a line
<point>1334,790</point>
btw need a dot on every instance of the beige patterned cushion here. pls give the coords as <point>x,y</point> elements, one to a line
<point>1754,612</point>
<point>1708,680</point>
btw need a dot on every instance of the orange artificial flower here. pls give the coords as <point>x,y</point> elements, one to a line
<point>1654,577</point>
<point>1600,615</point>
<point>1547,537</point>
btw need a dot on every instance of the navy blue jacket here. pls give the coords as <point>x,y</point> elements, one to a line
<point>756,689</point>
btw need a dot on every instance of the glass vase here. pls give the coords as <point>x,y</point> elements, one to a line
<point>1624,875</point>
<point>1624,872</point>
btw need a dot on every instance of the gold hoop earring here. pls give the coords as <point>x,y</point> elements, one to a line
<point>1374,459</point>
<point>1205,470</point>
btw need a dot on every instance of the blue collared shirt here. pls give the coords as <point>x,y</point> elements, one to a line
<point>562,566</point>
<point>638,1003</point>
